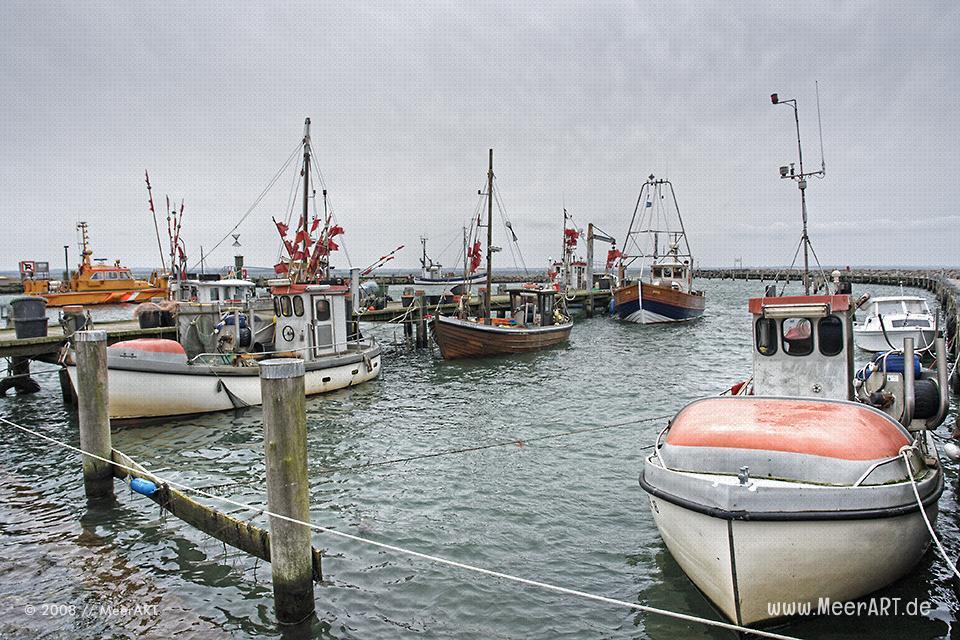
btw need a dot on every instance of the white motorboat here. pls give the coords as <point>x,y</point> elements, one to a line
<point>799,489</point>
<point>798,493</point>
<point>890,319</point>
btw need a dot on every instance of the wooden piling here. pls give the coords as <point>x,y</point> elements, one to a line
<point>285,441</point>
<point>421,323</point>
<point>589,306</point>
<point>92,398</point>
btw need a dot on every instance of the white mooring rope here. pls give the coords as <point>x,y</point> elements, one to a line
<point>923,512</point>
<point>417,554</point>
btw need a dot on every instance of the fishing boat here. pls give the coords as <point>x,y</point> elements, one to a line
<point>800,487</point>
<point>570,272</point>
<point>667,293</point>
<point>792,490</point>
<point>92,284</point>
<point>153,377</point>
<point>433,281</point>
<point>537,320</point>
<point>890,319</point>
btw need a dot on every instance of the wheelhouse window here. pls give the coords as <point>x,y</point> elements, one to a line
<point>276,306</point>
<point>214,294</point>
<point>322,310</point>
<point>830,335</point>
<point>668,273</point>
<point>297,306</point>
<point>766,336</point>
<point>285,306</point>
<point>797,336</point>
<point>915,306</point>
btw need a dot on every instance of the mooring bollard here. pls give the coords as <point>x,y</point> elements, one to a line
<point>285,441</point>
<point>92,398</point>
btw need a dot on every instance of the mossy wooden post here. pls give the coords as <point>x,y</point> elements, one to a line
<point>421,322</point>
<point>285,441</point>
<point>91,349</point>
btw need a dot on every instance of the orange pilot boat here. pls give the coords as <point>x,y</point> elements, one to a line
<point>92,283</point>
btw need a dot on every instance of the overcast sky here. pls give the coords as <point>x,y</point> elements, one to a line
<point>579,101</point>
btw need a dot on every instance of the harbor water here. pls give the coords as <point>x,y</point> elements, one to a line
<point>566,510</point>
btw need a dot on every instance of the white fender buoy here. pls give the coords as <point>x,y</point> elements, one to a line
<point>952,449</point>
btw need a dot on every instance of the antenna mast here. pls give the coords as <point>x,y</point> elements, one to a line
<point>801,179</point>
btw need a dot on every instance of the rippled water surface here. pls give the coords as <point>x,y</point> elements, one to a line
<point>566,511</point>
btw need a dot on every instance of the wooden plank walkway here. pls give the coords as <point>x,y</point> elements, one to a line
<point>11,347</point>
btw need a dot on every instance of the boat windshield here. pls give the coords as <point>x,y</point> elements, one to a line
<point>888,307</point>
<point>916,306</point>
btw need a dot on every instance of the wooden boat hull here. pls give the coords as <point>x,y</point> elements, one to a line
<point>153,390</point>
<point>103,297</point>
<point>467,339</point>
<point>477,278</point>
<point>646,303</point>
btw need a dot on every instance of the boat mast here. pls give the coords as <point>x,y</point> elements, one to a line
<point>486,296</point>
<point>306,182</point>
<point>801,178</point>
<point>466,266</point>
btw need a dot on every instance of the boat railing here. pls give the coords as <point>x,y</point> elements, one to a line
<point>259,355</point>
<point>658,444</point>
<point>874,467</point>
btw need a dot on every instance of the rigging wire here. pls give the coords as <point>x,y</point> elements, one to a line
<point>333,216</point>
<point>509,225</point>
<point>256,202</point>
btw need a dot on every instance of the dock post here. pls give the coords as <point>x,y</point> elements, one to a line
<point>92,400</point>
<point>421,323</point>
<point>589,306</point>
<point>285,441</point>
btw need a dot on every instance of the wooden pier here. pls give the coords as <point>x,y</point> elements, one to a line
<point>395,312</point>
<point>47,347</point>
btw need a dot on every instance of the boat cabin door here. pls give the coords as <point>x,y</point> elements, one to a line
<point>327,324</point>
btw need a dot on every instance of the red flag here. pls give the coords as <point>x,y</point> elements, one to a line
<point>281,267</point>
<point>570,237</point>
<point>335,231</point>
<point>316,223</point>
<point>612,256</point>
<point>332,246</point>
<point>289,247</point>
<point>282,228</point>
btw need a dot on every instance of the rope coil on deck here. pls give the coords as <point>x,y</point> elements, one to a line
<point>417,554</point>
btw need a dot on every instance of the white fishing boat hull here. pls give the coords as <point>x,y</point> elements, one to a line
<point>769,567</point>
<point>874,340</point>
<point>169,391</point>
<point>448,283</point>
<point>776,507</point>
